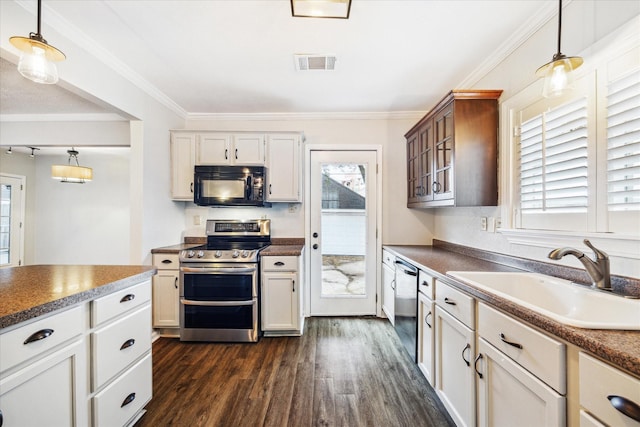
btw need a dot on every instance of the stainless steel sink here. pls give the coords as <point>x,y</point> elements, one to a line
<point>559,299</point>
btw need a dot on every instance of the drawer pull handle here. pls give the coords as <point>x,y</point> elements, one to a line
<point>475,365</point>
<point>37,336</point>
<point>426,319</point>
<point>128,343</point>
<point>278,264</point>
<point>626,406</point>
<point>128,297</point>
<point>128,400</point>
<point>467,347</point>
<point>513,344</point>
<point>166,261</point>
<point>449,301</point>
<point>425,283</point>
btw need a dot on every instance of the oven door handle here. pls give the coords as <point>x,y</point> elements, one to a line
<point>218,270</point>
<point>216,303</point>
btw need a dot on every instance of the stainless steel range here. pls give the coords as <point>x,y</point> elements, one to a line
<point>219,282</point>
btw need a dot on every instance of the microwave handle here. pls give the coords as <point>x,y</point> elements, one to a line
<point>248,188</point>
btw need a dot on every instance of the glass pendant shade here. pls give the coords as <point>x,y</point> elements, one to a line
<point>321,8</point>
<point>558,75</point>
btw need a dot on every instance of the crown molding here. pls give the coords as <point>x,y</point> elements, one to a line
<point>7,118</point>
<point>393,115</point>
<point>525,32</point>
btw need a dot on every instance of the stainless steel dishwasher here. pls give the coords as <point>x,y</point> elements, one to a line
<point>406,306</point>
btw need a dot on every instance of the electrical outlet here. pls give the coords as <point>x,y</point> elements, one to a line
<point>293,207</point>
<point>483,223</point>
<point>491,225</point>
<point>197,219</point>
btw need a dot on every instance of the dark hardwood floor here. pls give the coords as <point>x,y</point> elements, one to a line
<point>341,372</point>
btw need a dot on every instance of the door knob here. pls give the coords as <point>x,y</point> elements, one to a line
<point>315,235</point>
<point>315,246</point>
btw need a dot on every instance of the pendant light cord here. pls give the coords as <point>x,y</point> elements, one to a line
<point>559,26</point>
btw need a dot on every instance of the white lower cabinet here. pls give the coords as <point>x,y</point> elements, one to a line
<point>388,285</point>
<point>49,391</point>
<point>455,379</point>
<point>509,395</point>
<point>607,394</point>
<point>166,292</point>
<point>281,295</point>
<point>426,335</point>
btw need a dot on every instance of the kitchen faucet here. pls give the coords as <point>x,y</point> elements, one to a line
<point>598,270</point>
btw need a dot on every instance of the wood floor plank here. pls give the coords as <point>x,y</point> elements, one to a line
<point>341,372</point>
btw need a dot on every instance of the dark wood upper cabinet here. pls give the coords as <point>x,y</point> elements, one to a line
<point>452,152</point>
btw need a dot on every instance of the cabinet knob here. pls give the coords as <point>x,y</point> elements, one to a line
<point>315,235</point>
<point>626,406</point>
<point>315,246</point>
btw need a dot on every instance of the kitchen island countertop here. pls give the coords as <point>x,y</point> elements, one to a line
<point>30,291</point>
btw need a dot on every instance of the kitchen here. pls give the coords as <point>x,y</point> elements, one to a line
<point>151,120</point>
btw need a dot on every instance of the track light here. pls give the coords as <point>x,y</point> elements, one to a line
<point>33,152</point>
<point>9,151</point>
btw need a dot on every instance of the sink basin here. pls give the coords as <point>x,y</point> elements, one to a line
<point>559,299</point>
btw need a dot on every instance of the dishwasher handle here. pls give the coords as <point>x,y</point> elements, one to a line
<point>406,268</point>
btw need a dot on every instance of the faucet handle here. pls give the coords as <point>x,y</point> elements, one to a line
<point>600,255</point>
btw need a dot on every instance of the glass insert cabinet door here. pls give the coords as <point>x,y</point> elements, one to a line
<point>443,142</point>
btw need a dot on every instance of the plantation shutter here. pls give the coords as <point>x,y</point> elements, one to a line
<point>623,143</point>
<point>554,161</point>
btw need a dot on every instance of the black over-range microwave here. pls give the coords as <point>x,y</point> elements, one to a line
<point>230,186</point>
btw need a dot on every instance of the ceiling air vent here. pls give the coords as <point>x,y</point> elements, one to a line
<point>315,62</point>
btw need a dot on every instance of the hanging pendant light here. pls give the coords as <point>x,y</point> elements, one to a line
<point>72,173</point>
<point>558,74</point>
<point>36,60</point>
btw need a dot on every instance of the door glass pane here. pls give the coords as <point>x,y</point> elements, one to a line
<point>343,225</point>
<point>5,223</point>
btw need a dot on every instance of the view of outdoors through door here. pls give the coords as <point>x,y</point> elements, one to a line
<point>343,227</point>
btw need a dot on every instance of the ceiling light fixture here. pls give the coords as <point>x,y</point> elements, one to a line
<point>69,173</point>
<point>9,151</point>
<point>33,152</point>
<point>37,56</point>
<point>321,8</point>
<point>558,74</point>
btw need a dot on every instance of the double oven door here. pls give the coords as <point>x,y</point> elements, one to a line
<point>219,302</point>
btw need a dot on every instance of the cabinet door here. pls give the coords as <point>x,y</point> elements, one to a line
<point>213,149</point>
<point>48,392</point>
<point>166,297</point>
<point>280,305</point>
<point>443,155</point>
<point>413,168</point>
<point>509,395</point>
<point>182,163</point>
<point>425,156</point>
<point>248,149</point>
<point>455,380</point>
<point>283,168</point>
<point>388,292</point>
<point>426,337</point>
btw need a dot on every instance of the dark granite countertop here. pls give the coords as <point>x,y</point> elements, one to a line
<point>282,246</point>
<point>174,249</point>
<point>621,348</point>
<point>282,250</point>
<point>34,290</point>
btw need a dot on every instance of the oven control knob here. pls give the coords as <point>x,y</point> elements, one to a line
<point>200,254</point>
<point>218,254</point>
<point>190,254</point>
<point>245,254</point>
<point>235,254</point>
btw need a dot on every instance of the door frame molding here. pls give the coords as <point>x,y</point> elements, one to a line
<point>23,213</point>
<point>307,215</point>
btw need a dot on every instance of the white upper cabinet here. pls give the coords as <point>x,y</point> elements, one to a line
<point>284,173</point>
<point>182,163</point>
<point>230,149</point>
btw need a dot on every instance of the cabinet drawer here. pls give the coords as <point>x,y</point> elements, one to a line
<point>456,303</point>
<point>112,305</point>
<point>598,381</point>
<point>279,263</point>
<point>166,261</point>
<point>541,355</point>
<point>119,344</point>
<point>388,258</point>
<point>426,284</point>
<point>110,407</point>
<point>43,335</point>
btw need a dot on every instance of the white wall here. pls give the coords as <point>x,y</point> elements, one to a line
<point>400,225</point>
<point>583,24</point>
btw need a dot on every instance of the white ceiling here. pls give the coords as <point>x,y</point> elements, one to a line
<point>212,57</point>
